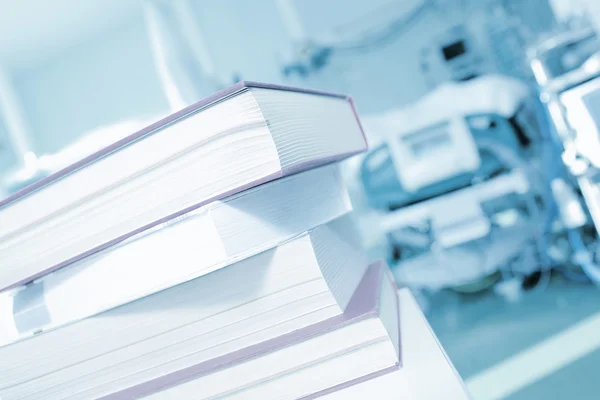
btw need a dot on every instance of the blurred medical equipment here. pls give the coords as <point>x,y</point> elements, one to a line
<point>453,39</point>
<point>556,57</point>
<point>448,186</point>
<point>310,55</point>
<point>455,56</point>
<point>566,69</point>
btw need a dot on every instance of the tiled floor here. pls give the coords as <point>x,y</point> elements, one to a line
<point>483,331</point>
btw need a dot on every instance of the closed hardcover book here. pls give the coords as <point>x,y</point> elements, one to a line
<point>345,350</point>
<point>239,138</point>
<point>304,281</point>
<point>198,243</point>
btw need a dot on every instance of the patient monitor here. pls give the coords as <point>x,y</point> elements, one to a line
<point>433,153</point>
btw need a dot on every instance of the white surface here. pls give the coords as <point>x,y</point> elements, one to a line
<point>53,26</point>
<point>426,373</point>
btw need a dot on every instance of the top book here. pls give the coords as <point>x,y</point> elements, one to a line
<point>240,137</point>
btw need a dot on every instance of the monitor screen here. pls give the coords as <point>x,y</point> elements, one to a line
<point>454,50</point>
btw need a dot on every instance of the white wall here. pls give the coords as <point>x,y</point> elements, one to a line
<point>244,37</point>
<point>101,82</point>
<point>249,39</point>
<point>7,156</point>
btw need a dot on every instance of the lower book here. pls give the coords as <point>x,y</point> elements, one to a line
<point>199,243</point>
<point>304,281</point>
<point>358,345</point>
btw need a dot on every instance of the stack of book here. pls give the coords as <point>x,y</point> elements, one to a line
<point>210,255</point>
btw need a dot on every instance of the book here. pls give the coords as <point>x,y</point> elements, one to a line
<point>241,137</point>
<point>359,345</point>
<point>426,373</point>
<point>302,282</point>
<point>200,242</point>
